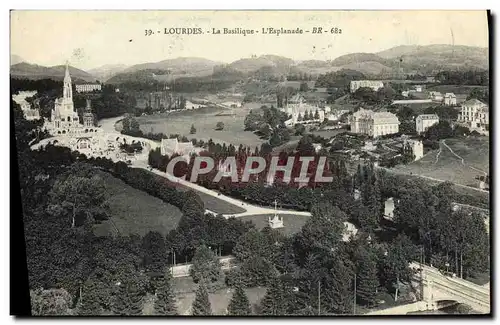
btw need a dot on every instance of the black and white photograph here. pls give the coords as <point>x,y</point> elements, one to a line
<point>275,163</point>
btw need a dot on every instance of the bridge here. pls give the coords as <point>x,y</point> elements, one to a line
<point>439,290</point>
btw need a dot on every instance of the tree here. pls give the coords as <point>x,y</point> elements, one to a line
<point>253,272</point>
<point>406,113</point>
<point>480,94</point>
<point>79,196</point>
<point>303,87</point>
<point>90,301</point>
<point>205,265</point>
<point>299,129</point>
<point>193,130</point>
<point>324,229</point>
<point>278,299</point>
<point>275,139</point>
<point>155,253</point>
<point>50,302</point>
<point>337,293</point>
<point>128,299</point>
<point>201,305</point>
<point>439,131</point>
<point>400,253</point>
<point>367,279</point>
<point>305,146</point>
<point>316,115</point>
<point>165,299</point>
<point>219,126</point>
<point>239,304</point>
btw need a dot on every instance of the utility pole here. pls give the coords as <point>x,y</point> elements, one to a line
<point>354,304</point>
<point>319,297</point>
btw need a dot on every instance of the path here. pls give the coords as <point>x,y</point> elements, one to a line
<point>108,125</point>
<point>437,156</point>
<point>250,209</point>
<point>463,161</point>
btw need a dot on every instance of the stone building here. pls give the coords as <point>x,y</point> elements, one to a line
<point>425,121</point>
<point>85,88</point>
<point>475,115</point>
<point>374,124</point>
<point>64,119</point>
<point>373,84</point>
<point>88,116</point>
<point>450,99</point>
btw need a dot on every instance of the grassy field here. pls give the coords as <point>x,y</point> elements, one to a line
<point>212,203</point>
<point>135,212</point>
<point>204,121</point>
<point>185,290</point>
<point>456,89</point>
<point>444,165</point>
<point>292,223</point>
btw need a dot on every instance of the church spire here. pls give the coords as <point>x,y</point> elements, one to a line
<point>67,77</point>
<point>67,88</point>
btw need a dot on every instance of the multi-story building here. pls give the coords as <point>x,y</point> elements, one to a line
<point>86,88</point>
<point>374,124</point>
<point>425,121</point>
<point>475,114</point>
<point>450,99</point>
<point>298,109</point>
<point>373,84</point>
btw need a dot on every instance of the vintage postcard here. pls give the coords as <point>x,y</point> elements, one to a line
<point>238,163</point>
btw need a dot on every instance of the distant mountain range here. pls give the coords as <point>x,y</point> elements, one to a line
<point>105,72</point>
<point>15,59</point>
<point>411,59</point>
<point>33,71</point>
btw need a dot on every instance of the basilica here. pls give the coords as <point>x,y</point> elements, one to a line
<point>64,118</point>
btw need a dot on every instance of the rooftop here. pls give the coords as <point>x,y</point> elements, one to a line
<point>428,117</point>
<point>473,102</point>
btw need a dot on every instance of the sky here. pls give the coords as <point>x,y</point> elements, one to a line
<point>90,39</point>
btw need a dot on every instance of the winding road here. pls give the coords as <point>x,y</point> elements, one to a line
<point>108,125</point>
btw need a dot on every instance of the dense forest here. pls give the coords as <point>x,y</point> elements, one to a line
<point>73,271</point>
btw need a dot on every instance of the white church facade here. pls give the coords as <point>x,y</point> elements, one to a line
<point>64,119</point>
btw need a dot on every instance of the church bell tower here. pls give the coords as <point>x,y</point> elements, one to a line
<point>68,90</point>
<point>88,117</point>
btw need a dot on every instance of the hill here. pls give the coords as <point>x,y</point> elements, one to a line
<point>275,63</point>
<point>15,59</point>
<point>34,72</point>
<point>357,57</point>
<point>187,65</point>
<point>368,67</point>
<point>438,55</point>
<point>105,72</point>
